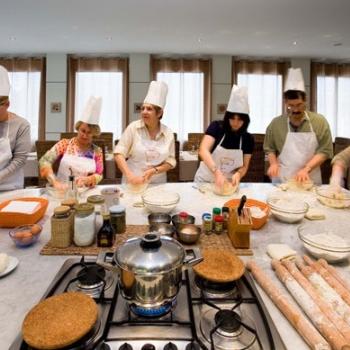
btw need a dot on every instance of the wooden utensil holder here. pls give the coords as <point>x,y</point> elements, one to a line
<point>239,227</point>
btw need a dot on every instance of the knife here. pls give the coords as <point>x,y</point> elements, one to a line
<point>241,205</point>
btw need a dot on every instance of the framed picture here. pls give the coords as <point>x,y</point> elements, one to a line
<point>221,108</point>
<point>56,107</point>
<point>137,107</point>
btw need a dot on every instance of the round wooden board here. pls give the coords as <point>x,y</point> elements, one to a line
<point>219,266</point>
<point>59,321</point>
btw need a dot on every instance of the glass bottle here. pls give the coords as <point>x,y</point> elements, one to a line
<point>118,218</point>
<point>105,236</point>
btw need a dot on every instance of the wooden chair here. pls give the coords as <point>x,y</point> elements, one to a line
<point>173,175</point>
<point>340,143</point>
<point>256,171</point>
<point>41,148</point>
<point>118,173</point>
<point>68,135</point>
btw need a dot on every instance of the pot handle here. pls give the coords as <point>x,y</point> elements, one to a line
<point>195,258</point>
<point>108,266</point>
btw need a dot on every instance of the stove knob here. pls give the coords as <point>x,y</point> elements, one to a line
<point>125,346</point>
<point>170,346</point>
<point>104,346</point>
<point>193,346</point>
<point>148,347</point>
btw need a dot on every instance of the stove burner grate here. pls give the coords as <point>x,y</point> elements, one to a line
<point>212,289</point>
<point>151,311</point>
<point>91,276</point>
<point>228,320</point>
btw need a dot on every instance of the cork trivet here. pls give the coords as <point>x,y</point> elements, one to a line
<point>206,241</point>
<point>219,265</point>
<point>59,321</point>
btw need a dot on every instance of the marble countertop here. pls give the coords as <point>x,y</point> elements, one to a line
<point>24,287</point>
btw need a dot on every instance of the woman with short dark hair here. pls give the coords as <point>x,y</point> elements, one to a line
<point>227,147</point>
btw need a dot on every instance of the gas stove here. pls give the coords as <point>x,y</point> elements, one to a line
<point>204,315</point>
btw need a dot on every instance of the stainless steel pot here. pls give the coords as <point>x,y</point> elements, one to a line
<point>150,269</point>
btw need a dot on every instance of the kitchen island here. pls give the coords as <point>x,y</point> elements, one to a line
<point>25,286</point>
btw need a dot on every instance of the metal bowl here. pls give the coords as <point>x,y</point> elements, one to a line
<point>176,220</point>
<point>188,233</point>
<point>163,229</point>
<point>158,218</point>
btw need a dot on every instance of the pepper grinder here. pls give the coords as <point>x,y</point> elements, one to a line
<point>72,190</point>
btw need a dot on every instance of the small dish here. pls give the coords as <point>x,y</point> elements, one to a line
<point>157,218</point>
<point>13,262</point>
<point>25,235</point>
<point>163,229</point>
<point>329,196</point>
<point>188,233</point>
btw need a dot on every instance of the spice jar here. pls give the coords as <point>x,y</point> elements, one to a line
<point>225,214</point>
<point>97,201</point>
<point>118,218</point>
<point>216,211</point>
<point>84,224</point>
<point>207,223</point>
<point>62,227</point>
<point>218,224</point>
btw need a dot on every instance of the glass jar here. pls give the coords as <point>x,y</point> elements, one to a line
<point>84,224</point>
<point>218,224</point>
<point>97,201</point>
<point>118,218</point>
<point>207,223</point>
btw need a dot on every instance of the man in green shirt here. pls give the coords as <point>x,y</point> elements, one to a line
<point>299,142</point>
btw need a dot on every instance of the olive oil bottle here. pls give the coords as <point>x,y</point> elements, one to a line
<point>105,236</point>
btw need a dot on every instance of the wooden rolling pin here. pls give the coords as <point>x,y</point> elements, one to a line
<point>335,273</point>
<point>303,326</point>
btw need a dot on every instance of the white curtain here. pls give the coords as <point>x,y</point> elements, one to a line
<point>109,86</point>
<point>25,98</point>
<point>333,101</point>
<point>183,112</point>
<point>265,98</point>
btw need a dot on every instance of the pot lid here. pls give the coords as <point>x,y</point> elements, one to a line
<point>150,254</point>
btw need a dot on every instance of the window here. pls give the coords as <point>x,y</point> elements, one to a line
<point>105,77</point>
<point>333,96</point>
<point>27,94</point>
<point>25,98</point>
<point>264,81</point>
<point>188,102</point>
<point>109,86</point>
<point>183,112</point>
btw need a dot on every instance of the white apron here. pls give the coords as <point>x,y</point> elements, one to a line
<point>81,166</point>
<point>147,154</point>
<point>15,180</point>
<point>227,160</point>
<point>298,149</point>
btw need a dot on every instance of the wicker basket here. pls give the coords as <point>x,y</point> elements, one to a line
<point>62,230</point>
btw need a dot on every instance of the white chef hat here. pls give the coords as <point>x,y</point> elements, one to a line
<point>295,80</point>
<point>157,93</point>
<point>4,82</point>
<point>92,110</point>
<point>238,102</point>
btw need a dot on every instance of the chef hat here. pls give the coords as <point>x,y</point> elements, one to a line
<point>92,110</point>
<point>4,82</point>
<point>295,80</point>
<point>238,102</point>
<point>157,93</point>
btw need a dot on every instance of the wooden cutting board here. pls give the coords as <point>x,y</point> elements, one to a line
<point>59,321</point>
<point>219,266</point>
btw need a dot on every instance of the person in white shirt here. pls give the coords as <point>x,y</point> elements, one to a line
<point>14,140</point>
<point>146,150</point>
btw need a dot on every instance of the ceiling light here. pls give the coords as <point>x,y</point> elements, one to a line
<point>295,43</point>
<point>338,44</point>
<point>109,38</point>
<point>12,38</point>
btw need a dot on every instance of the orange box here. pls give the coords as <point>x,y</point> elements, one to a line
<point>19,219</point>
<point>257,222</point>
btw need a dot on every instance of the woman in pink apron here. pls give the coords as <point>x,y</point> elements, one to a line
<point>78,156</point>
<point>146,150</point>
<point>227,147</point>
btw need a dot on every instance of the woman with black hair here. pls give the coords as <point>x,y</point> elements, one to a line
<point>227,147</point>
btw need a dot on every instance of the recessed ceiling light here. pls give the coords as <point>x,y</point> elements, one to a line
<point>337,44</point>
<point>12,38</point>
<point>199,40</point>
<point>295,43</point>
<point>109,38</point>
